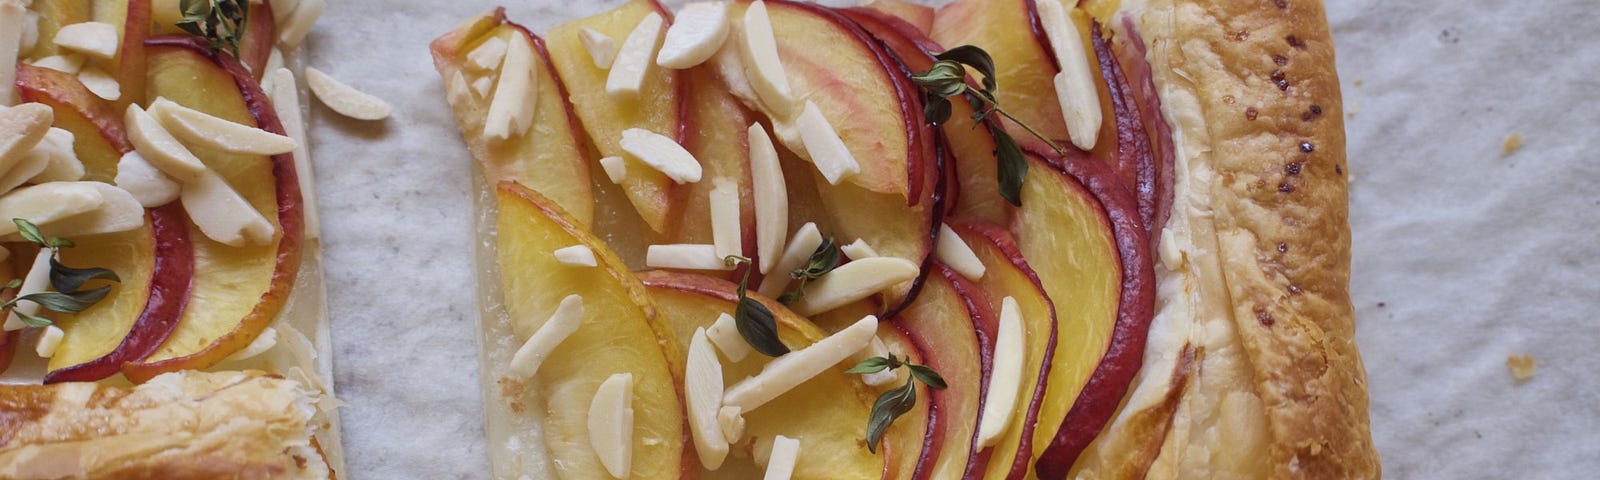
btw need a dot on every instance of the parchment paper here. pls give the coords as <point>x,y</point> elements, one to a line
<point>1462,255</point>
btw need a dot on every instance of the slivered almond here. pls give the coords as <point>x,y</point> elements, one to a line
<point>487,56</point>
<point>566,319</point>
<point>345,99</point>
<point>634,59</point>
<point>222,214</point>
<point>15,21</point>
<point>159,147</point>
<point>512,109</point>
<point>282,9</point>
<point>854,281</point>
<point>780,463</point>
<point>49,339</point>
<point>294,28</point>
<point>759,51</point>
<point>726,233</point>
<point>786,372</point>
<point>64,63</point>
<point>147,184</point>
<point>100,83</point>
<point>702,395</point>
<point>260,345</point>
<point>805,241</point>
<point>601,47</point>
<point>696,34</point>
<point>118,212</point>
<point>1075,84</point>
<point>286,103</point>
<point>48,203</point>
<point>616,168</point>
<point>62,164</point>
<point>21,128</point>
<point>826,150</point>
<point>1006,380</point>
<point>724,333</point>
<point>23,170</point>
<point>576,256</point>
<point>30,32</point>
<point>771,197</point>
<point>95,39</point>
<point>858,249</point>
<point>956,254</point>
<point>482,87</point>
<point>611,424</point>
<point>876,348</point>
<point>684,256</point>
<point>274,61</point>
<point>195,127</point>
<point>662,154</point>
<point>731,419</point>
<point>37,280</point>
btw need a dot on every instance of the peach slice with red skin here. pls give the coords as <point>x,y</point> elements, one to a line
<point>953,325</point>
<point>1024,66</point>
<point>716,130</point>
<point>834,427</point>
<point>552,156</point>
<point>260,278</point>
<point>53,15</point>
<point>658,108</point>
<point>132,19</point>
<point>917,16</point>
<point>79,111</point>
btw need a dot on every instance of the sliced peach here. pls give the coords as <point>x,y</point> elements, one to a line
<point>716,131</point>
<point>238,291</point>
<point>914,444</point>
<point>828,412</point>
<point>1024,66</point>
<point>621,332</point>
<point>260,36</point>
<point>80,111</point>
<point>888,225</point>
<point>952,322</point>
<point>132,19</point>
<point>53,15</point>
<point>1082,227</point>
<point>915,15</point>
<point>863,92</point>
<point>1009,275</point>
<point>658,107</point>
<point>551,157</point>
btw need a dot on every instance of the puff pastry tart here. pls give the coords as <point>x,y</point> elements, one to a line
<point>998,239</point>
<point>163,304</point>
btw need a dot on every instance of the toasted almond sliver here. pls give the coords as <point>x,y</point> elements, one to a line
<point>759,51</point>
<point>286,103</point>
<point>63,164</point>
<point>48,203</point>
<point>724,333</point>
<point>23,170</point>
<point>854,281</point>
<point>771,198</point>
<point>633,62</point>
<point>119,212</point>
<point>780,463</point>
<point>726,232</point>
<point>13,47</point>
<point>1075,84</point>
<point>661,153</point>
<point>222,214</point>
<point>512,109</point>
<point>601,47</point>
<point>796,367</point>
<point>159,147</point>
<point>100,83</point>
<point>576,256</point>
<point>298,24</point>
<point>858,249</point>
<point>826,150</point>
<point>616,168</point>
<point>146,183</point>
<point>1006,381</point>
<point>697,32</point>
<point>95,39</point>
<point>274,61</point>
<point>684,257</point>
<point>37,280</point>
<point>702,395</point>
<point>611,424</point>
<point>956,254</point>
<point>566,319</point>
<point>487,56</point>
<point>805,241</point>
<point>64,63</point>
<point>21,128</point>
<point>49,339</point>
<point>345,99</point>
<point>195,127</point>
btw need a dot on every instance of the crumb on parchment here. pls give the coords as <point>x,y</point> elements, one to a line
<point>1521,366</point>
<point>1510,146</point>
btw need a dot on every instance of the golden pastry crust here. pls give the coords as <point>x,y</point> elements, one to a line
<point>1255,100</point>
<point>186,425</point>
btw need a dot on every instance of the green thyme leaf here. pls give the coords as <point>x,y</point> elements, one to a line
<point>58,242</point>
<point>14,283</point>
<point>889,406</point>
<point>29,231</point>
<point>68,280</point>
<point>33,321</point>
<point>1012,166</point>
<point>936,110</point>
<point>973,57</point>
<point>220,22</point>
<point>757,326</point>
<point>927,376</point>
<point>871,365</point>
<point>823,260</point>
<point>67,302</point>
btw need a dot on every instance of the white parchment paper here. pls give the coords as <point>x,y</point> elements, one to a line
<point>1462,255</point>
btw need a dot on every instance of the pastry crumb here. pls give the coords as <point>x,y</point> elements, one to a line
<point>1521,366</point>
<point>1358,82</point>
<point>1510,146</point>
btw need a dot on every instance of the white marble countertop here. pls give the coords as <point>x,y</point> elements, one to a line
<point>1463,255</point>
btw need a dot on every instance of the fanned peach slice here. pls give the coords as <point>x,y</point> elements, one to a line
<point>915,15</point>
<point>914,445</point>
<point>621,332</point>
<point>56,14</point>
<point>260,36</point>
<point>1024,67</point>
<point>889,226</point>
<point>862,91</point>
<point>1009,275</point>
<point>829,412</point>
<point>716,131</point>
<point>132,19</point>
<point>657,108</point>
<point>238,291</point>
<point>551,156</point>
<point>1082,230</point>
<point>952,322</point>
<point>79,111</point>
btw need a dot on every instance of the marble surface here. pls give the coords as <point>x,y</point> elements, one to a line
<point>1463,255</point>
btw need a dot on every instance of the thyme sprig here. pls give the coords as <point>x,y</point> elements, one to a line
<point>753,319</point>
<point>895,402</point>
<point>69,296</point>
<point>221,22</point>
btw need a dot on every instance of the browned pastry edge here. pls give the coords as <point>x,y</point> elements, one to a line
<point>186,425</point>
